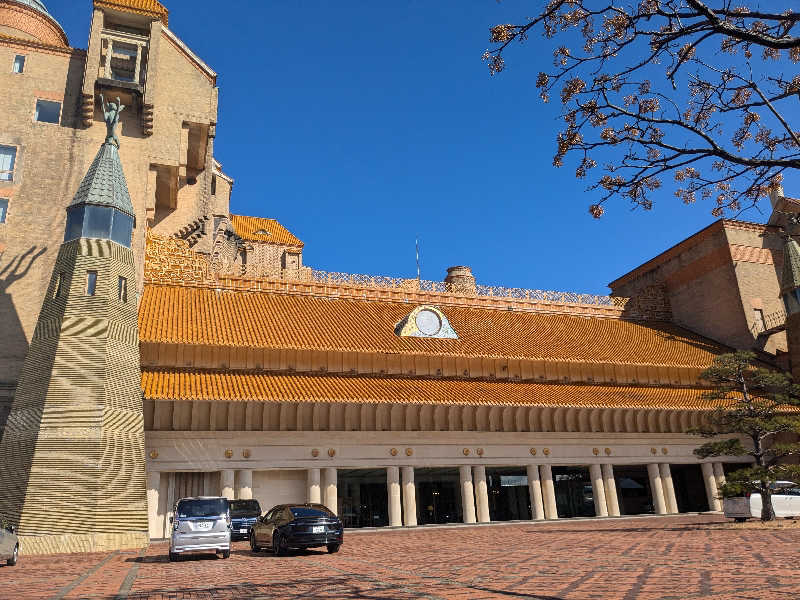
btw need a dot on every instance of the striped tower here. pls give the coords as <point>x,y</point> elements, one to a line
<point>72,454</point>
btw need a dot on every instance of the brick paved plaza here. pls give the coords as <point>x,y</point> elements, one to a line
<point>639,558</point>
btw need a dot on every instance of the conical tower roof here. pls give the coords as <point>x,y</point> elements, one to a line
<point>104,183</point>
<point>790,279</point>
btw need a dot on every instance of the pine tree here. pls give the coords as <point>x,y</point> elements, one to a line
<point>758,407</point>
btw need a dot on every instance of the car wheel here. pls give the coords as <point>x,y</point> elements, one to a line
<point>253,546</point>
<point>173,557</point>
<point>226,553</point>
<point>278,544</point>
<point>334,548</point>
<point>740,519</point>
<point>13,560</point>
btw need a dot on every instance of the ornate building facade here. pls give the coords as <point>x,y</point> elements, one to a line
<point>396,402</point>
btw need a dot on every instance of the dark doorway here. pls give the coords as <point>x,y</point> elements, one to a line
<point>690,489</point>
<point>363,497</point>
<point>438,496</point>
<point>509,499</point>
<point>574,497</point>
<point>633,490</point>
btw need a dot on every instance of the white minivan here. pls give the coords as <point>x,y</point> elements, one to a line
<point>785,502</point>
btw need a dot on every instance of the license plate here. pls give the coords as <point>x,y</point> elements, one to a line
<point>204,525</point>
<point>318,529</point>
<point>243,531</point>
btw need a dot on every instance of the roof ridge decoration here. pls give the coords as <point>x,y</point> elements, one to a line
<point>147,8</point>
<point>426,322</point>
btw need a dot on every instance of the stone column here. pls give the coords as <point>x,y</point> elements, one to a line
<point>669,488</point>
<point>330,491</point>
<point>244,485</point>
<point>548,492</point>
<point>656,489</point>
<point>611,490</point>
<point>711,487</point>
<point>393,489</point>
<point>719,474</point>
<point>598,491</point>
<point>467,494</point>
<point>226,483</point>
<point>481,494</point>
<point>153,489</point>
<point>409,498</point>
<point>535,492</point>
<point>314,495</point>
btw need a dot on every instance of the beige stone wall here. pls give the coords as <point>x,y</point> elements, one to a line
<point>52,160</point>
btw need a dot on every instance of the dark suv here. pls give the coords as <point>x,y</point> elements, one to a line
<point>244,514</point>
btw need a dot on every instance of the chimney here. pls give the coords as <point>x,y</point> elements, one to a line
<point>460,280</point>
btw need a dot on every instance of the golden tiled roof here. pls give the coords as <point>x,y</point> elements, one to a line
<point>206,316</point>
<point>150,8</point>
<point>189,384</point>
<point>246,228</point>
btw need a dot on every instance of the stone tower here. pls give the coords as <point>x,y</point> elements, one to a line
<point>790,290</point>
<point>72,466</point>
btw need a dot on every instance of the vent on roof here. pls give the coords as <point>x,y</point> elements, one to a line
<point>262,232</point>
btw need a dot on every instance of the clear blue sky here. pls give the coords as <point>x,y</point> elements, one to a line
<point>360,125</point>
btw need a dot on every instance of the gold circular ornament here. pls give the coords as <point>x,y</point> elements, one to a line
<point>153,454</point>
<point>479,451</point>
<point>246,453</point>
<point>533,451</point>
<point>315,452</point>
<point>607,451</point>
<point>595,451</point>
<point>393,452</point>
<point>466,451</point>
<point>664,451</point>
<point>653,451</point>
<point>409,451</point>
<point>331,452</point>
<point>228,453</point>
<point>546,451</point>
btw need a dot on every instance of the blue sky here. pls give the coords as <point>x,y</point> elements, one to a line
<point>361,125</point>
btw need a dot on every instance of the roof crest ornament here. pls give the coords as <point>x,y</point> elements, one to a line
<point>111,114</point>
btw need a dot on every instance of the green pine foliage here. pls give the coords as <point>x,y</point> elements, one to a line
<point>759,410</point>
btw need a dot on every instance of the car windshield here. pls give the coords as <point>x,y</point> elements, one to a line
<point>245,508</point>
<point>306,511</point>
<point>204,507</point>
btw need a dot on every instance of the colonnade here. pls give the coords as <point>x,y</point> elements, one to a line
<point>402,502</point>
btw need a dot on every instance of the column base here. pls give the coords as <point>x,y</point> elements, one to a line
<point>81,543</point>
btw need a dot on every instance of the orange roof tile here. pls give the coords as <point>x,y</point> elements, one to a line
<point>150,8</point>
<point>246,228</point>
<point>189,384</point>
<point>205,316</point>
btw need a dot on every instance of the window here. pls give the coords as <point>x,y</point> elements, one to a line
<point>91,283</point>
<point>8,156</point>
<point>19,64</point>
<point>48,111</point>
<point>122,289</point>
<point>3,209</point>
<point>758,315</point>
<point>213,185</point>
<point>59,286</point>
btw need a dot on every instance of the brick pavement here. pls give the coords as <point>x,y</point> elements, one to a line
<point>678,558</point>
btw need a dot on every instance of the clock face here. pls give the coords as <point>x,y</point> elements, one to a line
<point>428,322</point>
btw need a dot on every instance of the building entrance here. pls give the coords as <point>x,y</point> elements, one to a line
<point>509,499</point>
<point>690,490</point>
<point>574,497</point>
<point>363,499</point>
<point>633,490</point>
<point>438,496</point>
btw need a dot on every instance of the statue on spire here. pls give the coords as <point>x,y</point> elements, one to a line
<point>111,113</point>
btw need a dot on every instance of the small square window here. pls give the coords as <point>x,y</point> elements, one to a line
<point>122,289</point>
<point>48,111</point>
<point>19,64</point>
<point>3,209</point>
<point>8,156</point>
<point>91,283</point>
